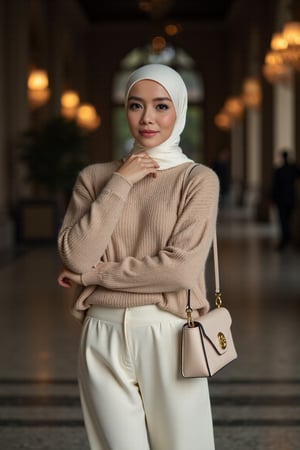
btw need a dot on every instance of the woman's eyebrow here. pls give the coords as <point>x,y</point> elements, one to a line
<point>157,99</point>
<point>162,99</point>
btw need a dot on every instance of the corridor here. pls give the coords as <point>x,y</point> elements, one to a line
<point>255,400</point>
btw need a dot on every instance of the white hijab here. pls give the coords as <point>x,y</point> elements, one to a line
<point>168,154</point>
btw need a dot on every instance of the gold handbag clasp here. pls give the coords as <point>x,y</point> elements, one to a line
<point>190,321</point>
<point>218,300</point>
<point>222,340</point>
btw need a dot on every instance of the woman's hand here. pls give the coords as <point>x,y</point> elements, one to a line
<point>66,278</point>
<point>137,167</point>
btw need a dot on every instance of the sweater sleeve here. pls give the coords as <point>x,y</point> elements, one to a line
<point>90,219</point>
<point>179,264</point>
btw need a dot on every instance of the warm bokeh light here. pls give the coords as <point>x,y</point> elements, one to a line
<point>284,56</point>
<point>87,117</point>
<point>223,120</point>
<point>70,99</point>
<point>38,98</point>
<point>172,29</point>
<point>158,43</point>
<point>38,92</point>
<point>234,107</point>
<point>37,80</point>
<point>291,56</point>
<point>278,42</point>
<point>69,113</point>
<point>291,32</point>
<point>252,93</point>
<point>273,58</point>
<point>274,69</point>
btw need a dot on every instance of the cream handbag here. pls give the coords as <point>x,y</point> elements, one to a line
<point>207,344</point>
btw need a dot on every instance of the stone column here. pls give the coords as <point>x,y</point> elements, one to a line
<point>237,163</point>
<point>284,120</point>
<point>253,137</point>
<point>263,208</point>
<point>253,159</point>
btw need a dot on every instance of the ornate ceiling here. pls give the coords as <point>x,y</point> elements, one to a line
<point>98,11</point>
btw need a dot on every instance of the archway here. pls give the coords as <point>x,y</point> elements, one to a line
<point>192,137</point>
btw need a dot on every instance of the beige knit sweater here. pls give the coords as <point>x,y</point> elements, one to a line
<point>140,244</point>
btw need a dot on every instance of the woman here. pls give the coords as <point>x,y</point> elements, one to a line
<point>135,237</point>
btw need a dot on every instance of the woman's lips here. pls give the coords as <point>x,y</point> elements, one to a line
<point>148,133</point>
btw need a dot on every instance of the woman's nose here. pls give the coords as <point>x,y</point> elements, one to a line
<point>147,116</point>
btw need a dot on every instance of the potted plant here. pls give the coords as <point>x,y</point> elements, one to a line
<point>53,154</point>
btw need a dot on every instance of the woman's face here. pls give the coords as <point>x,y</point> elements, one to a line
<point>150,113</point>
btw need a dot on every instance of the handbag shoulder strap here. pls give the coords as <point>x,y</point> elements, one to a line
<point>218,300</point>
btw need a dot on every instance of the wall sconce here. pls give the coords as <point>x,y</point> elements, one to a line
<point>69,104</point>
<point>87,117</point>
<point>172,29</point>
<point>158,44</point>
<point>234,106</point>
<point>291,34</point>
<point>274,69</point>
<point>284,55</point>
<point>38,90</point>
<point>223,120</point>
<point>251,93</point>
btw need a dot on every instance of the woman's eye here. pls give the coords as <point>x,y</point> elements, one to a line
<point>162,106</point>
<point>134,106</point>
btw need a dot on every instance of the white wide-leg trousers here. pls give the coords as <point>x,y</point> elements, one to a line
<point>132,393</point>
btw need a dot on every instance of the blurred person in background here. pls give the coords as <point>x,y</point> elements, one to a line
<point>284,196</point>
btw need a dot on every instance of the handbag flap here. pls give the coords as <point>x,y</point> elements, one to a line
<point>215,327</point>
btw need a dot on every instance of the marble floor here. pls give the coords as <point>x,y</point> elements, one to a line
<point>255,400</point>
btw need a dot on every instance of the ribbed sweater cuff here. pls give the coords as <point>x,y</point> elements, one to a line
<point>89,278</point>
<point>118,185</point>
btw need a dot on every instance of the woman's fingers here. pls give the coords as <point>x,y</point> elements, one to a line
<point>63,281</point>
<point>66,278</point>
<point>142,160</point>
<point>137,166</point>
